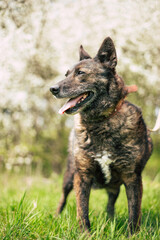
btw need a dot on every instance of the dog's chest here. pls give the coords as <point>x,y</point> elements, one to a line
<point>104,160</point>
<point>96,149</point>
<point>95,143</point>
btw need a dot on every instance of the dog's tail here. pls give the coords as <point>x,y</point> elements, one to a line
<point>157,125</point>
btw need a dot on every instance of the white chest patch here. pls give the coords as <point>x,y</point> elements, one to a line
<point>105,161</point>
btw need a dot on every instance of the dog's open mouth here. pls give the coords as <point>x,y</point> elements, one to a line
<point>74,104</point>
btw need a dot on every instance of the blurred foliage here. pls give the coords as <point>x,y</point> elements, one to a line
<point>39,42</point>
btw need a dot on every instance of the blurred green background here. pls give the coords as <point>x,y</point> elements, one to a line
<point>39,41</point>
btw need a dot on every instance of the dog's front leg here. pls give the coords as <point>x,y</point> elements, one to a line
<point>82,186</point>
<point>134,196</point>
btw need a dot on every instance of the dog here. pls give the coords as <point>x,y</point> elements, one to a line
<point>110,143</point>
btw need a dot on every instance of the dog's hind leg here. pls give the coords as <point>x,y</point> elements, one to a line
<point>67,187</point>
<point>112,197</point>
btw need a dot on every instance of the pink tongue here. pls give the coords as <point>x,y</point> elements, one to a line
<point>71,103</point>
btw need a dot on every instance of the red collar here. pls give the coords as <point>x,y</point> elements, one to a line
<point>118,107</point>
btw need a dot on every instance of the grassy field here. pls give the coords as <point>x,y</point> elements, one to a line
<point>28,204</point>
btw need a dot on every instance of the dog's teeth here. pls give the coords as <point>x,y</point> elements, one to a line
<point>83,98</point>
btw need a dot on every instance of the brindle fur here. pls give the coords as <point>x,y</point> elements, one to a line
<point>123,135</point>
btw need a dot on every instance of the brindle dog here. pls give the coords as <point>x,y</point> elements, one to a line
<point>110,143</point>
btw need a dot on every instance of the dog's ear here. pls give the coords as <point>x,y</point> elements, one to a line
<point>107,53</point>
<point>83,54</point>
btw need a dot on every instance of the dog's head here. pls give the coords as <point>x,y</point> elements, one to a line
<point>92,85</point>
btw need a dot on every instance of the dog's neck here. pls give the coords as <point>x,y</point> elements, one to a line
<point>108,114</point>
<point>113,111</point>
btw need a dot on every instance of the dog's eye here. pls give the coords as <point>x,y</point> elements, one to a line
<point>80,72</point>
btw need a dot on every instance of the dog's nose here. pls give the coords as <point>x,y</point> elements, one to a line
<point>54,90</point>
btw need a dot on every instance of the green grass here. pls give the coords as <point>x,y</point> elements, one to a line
<point>28,205</point>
